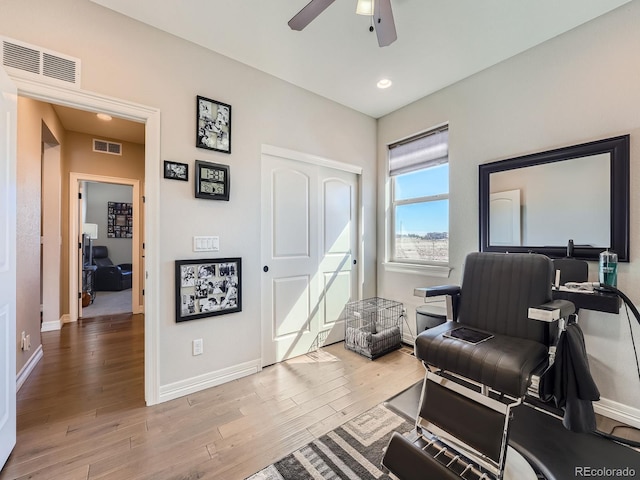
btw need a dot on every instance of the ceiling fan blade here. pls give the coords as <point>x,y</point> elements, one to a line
<point>305,16</point>
<point>383,21</point>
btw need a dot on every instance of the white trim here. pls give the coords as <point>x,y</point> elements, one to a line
<point>407,336</point>
<point>441,271</point>
<point>152,169</point>
<point>208,380</point>
<point>308,158</point>
<point>84,100</point>
<point>51,326</point>
<point>28,367</point>
<point>618,411</point>
<point>150,116</point>
<point>66,318</point>
<point>429,198</point>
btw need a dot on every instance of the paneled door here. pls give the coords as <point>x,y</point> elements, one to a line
<point>337,256</point>
<point>8,139</point>
<point>504,216</point>
<point>309,240</point>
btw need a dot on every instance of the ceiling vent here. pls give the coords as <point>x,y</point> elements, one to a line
<point>28,61</point>
<point>103,146</point>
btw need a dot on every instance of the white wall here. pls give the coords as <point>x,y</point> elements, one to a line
<point>578,87</point>
<point>98,195</point>
<point>125,59</point>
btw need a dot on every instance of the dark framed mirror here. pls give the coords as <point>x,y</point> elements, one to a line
<point>538,202</point>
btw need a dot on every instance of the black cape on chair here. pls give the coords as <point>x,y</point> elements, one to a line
<point>574,386</point>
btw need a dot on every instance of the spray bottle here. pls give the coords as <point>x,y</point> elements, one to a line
<point>608,272</point>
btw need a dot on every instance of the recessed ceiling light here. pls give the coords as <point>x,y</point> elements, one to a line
<point>384,83</point>
<point>104,116</point>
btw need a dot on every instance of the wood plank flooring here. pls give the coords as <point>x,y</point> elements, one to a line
<point>81,414</point>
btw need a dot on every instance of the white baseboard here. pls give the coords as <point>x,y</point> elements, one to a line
<point>66,318</point>
<point>51,326</point>
<point>618,411</point>
<point>208,380</point>
<point>408,338</point>
<point>28,367</point>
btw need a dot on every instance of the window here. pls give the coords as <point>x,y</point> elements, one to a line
<point>419,172</point>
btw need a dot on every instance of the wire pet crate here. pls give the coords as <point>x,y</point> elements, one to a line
<point>373,326</point>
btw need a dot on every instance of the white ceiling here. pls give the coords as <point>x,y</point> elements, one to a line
<point>439,42</point>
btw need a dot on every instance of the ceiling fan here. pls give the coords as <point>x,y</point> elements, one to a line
<point>380,10</point>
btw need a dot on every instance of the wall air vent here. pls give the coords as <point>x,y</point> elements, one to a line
<point>30,62</point>
<point>103,146</point>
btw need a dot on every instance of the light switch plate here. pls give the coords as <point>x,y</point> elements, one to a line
<point>206,244</point>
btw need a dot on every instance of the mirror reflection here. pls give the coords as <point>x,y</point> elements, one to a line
<point>548,204</point>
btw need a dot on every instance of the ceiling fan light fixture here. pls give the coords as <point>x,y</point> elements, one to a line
<point>379,11</point>
<point>364,7</point>
<point>384,83</point>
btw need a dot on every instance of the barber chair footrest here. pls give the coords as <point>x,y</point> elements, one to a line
<point>408,462</point>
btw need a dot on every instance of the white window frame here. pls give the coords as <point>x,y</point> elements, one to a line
<point>433,267</point>
<point>410,201</point>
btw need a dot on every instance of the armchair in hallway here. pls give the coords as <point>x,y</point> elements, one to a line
<point>110,277</point>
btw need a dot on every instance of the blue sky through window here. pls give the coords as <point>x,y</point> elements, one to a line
<point>422,218</point>
<point>423,183</point>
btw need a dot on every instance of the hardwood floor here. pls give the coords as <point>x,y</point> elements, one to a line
<point>81,413</point>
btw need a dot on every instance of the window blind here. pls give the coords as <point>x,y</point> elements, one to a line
<point>426,150</point>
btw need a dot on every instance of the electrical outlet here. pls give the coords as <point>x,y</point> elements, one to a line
<point>198,346</point>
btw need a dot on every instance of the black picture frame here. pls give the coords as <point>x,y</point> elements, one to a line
<point>618,189</point>
<point>176,171</point>
<point>212,181</point>
<point>208,287</point>
<point>119,220</point>
<point>213,125</point>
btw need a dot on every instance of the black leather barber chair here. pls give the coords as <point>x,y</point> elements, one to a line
<point>110,277</point>
<point>480,365</point>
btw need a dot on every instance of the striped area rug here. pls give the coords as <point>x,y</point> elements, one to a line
<point>350,452</point>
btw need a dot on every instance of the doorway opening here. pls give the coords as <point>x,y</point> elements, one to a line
<point>149,118</point>
<point>106,223</point>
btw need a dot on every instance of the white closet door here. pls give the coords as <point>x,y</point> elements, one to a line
<point>308,240</point>
<point>338,271</point>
